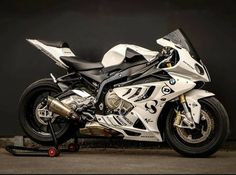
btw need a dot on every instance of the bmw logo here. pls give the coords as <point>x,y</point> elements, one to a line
<point>172,81</point>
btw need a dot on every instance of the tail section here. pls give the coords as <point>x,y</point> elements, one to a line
<point>53,49</point>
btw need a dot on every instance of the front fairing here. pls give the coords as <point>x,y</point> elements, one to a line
<point>180,38</point>
<point>189,64</point>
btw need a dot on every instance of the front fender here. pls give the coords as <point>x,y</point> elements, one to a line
<point>192,98</point>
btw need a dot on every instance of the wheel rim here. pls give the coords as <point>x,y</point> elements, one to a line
<point>36,123</point>
<point>211,135</point>
<point>205,127</point>
<point>42,114</point>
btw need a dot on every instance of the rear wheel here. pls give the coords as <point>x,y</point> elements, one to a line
<point>33,114</point>
<point>209,134</point>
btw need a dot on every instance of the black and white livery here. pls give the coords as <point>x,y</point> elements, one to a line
<point>133,92</point>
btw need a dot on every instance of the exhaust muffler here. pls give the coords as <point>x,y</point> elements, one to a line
<point>92,128</point>
<point>61,109</point>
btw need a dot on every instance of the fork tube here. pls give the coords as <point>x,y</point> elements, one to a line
<point>186,110</point>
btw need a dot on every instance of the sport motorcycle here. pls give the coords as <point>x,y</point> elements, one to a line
<point>133,92</point>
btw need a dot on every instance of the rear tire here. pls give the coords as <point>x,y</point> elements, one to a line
<point>30,99</point>
<point>200,148</point>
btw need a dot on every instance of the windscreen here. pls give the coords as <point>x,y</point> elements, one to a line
<point>178,37</point>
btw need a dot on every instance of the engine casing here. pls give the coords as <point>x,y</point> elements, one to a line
<point>114,103</point>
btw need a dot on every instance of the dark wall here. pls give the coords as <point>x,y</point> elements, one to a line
<point>92,27</point>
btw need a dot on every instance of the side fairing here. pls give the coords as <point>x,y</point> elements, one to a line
<point>148,101</point>
<point>162,91</point>
<point>117,54</point>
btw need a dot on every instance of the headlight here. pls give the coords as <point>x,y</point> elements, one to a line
<point>199,69</point>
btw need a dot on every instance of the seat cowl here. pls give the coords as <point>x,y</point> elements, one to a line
<point>58,44</point>
<point>80,65</point>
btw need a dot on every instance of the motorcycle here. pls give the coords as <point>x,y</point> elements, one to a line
<point>133,92</point>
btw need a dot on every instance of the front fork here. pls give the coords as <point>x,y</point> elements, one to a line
<point>186,118</point>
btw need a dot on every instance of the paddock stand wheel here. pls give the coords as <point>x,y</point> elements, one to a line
<point>29,151</point>
<point>73,147</point>
<point>53,152</point>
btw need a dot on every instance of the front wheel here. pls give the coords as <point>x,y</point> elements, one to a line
<point>203,142</point>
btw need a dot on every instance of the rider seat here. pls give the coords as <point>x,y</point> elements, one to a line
<point>58,44</point>
<point>80,65</point>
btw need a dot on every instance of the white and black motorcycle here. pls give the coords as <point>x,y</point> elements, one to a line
<point>140,94</point>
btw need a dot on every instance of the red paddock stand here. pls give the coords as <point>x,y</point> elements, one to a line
<point>53,151</point>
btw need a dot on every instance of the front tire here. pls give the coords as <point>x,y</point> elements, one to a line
<point>216,125</point>
<point>33,126</point>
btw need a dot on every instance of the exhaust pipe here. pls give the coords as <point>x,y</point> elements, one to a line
<point>95,129</point>
<point>61,109</point>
